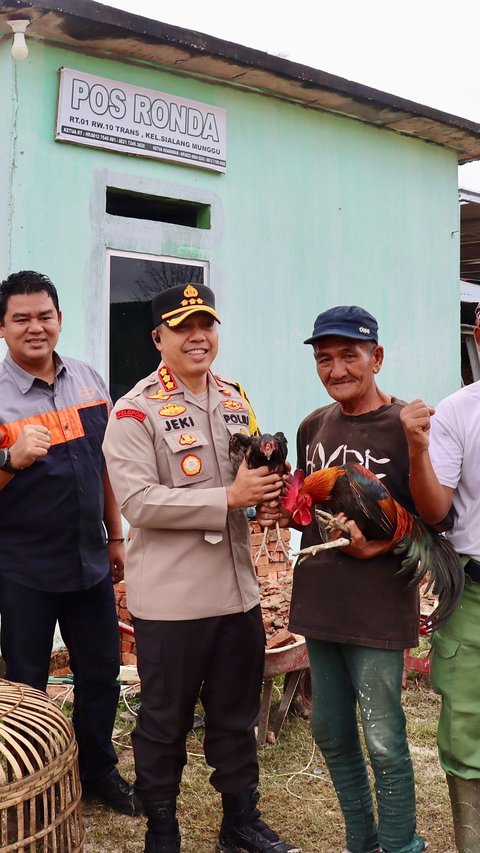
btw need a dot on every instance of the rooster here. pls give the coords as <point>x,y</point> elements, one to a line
<point>258,450</point>
<point>362,497</point>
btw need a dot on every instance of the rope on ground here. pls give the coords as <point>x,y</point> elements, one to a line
<point>302,772</point>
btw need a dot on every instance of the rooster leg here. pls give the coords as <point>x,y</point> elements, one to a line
<point>263,549</point>
<point>280,545</point>
<point>322,546</point>
<point>330,522</point>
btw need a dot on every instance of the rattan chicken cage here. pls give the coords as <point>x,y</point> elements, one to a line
<point>39,781</point>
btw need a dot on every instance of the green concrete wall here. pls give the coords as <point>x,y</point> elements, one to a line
<point>314,210</point>
<point>7,143</point>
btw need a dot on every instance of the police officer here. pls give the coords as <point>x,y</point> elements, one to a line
<point>191,585</point>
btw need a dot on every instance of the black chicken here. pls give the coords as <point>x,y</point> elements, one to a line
<point>258,450</point>
<point>358,493</point>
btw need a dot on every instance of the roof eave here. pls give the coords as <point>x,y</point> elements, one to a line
<point>95,28</point>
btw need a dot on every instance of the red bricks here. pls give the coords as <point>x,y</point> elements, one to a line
<point>283,637</point>
<point>128,649</point>
<point>274,574</point>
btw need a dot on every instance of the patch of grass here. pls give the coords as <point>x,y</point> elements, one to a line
<point>297,798</point>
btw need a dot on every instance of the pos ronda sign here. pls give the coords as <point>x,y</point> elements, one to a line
<point>104,113</point>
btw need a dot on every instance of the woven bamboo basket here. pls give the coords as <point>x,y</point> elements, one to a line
<point>40,788</point>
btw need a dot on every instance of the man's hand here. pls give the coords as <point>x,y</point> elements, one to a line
<point>116,559</point>
<point>432,499</point>
<point>32,443</point>
<point>271,513</point>
<point>253,486</point>
<point>415,419</point>
<point>360,548</point>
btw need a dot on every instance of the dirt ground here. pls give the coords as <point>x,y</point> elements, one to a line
<point>297,796</point>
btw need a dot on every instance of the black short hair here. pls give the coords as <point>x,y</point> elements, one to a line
<point>26,281</point>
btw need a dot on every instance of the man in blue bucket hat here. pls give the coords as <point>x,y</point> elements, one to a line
<point>356,613</point>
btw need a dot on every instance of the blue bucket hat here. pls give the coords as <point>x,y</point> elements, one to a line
<point>346,321</point>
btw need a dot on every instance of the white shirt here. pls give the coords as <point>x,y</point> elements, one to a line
<point>455,455</point>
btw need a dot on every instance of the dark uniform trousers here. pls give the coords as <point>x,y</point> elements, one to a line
<point>89,627</point>
<point>218,659</point>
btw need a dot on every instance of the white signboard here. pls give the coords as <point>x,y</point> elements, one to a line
<point>105,113</point>
<point>469,292</point>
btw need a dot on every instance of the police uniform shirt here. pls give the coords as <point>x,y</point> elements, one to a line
<point>168,462</point>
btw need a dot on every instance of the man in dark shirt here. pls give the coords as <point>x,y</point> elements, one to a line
<point>55,504</point>
<point>355,612</point>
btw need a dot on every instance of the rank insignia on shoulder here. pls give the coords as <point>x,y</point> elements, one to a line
<point>159,395</point>
<point>186,439</point>
<point>166,379</point>
<point>191,465</point>
<point>221,387</point>
<point>233,405</point>
<point>130,413</point>
<point>172,409</point>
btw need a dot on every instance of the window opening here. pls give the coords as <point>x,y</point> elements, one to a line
<point>470,359</point>
<point>134,281</point>
<point>135,205</point>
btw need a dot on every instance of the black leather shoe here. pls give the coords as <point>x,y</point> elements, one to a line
<point>116,793</point>
<point>155,843</point>
<point>162,834</point>
<point>242,831</point>
<point>252,838</point>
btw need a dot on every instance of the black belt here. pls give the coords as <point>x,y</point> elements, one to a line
<point>472,568</point>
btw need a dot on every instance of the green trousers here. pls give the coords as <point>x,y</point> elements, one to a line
<point>454,675</point>
<point>344,677</point>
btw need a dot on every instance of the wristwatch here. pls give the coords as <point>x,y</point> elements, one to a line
<point>5,464</point>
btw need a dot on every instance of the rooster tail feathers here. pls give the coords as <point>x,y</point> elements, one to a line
<point>239,441</point>
<point>429,557</point>
<point>237,449</point>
